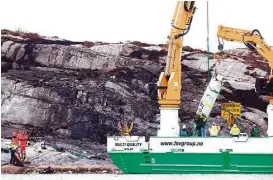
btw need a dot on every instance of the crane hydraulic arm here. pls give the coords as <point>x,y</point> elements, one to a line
<point>254,41</point>
<point>169,84</point>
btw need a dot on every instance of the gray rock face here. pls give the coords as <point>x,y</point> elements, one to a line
<point>88,107</point>
<point>71,57</point>
<point>115,49</point>
<point>5,48</point>
<point>5,66</point>
<point>13,50</point>
<point>80,92</point>
<point>34,104</point>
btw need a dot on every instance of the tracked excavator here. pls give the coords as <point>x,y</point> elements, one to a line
<point>255,42</point>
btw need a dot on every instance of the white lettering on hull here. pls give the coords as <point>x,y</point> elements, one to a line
<point>128,144</point>
<point>211,145</point>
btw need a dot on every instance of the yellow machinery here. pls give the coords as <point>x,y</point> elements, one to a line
<point>169,84</point>
<point>254,41</point>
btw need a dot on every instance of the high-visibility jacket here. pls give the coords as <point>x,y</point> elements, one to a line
<point>235,131</point>
<point>214,130</point>
<point>15,138</point>
<point>13,146</point>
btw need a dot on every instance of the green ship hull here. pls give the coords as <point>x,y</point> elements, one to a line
<point>192,163</point>
<point>192,155</point>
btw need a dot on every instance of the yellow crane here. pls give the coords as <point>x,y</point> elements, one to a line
<point>254,41</point>
<point>169,84</point>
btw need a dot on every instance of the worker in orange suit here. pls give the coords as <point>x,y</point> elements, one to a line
<point>19,137</point>
<point>23,144</point>
<point>14,137</point>
<point>125,131</point>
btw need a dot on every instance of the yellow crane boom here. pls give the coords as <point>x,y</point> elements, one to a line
<point>254,41</point>
<point>169,84</point>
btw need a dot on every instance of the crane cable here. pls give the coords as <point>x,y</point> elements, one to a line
<point>208,40</point>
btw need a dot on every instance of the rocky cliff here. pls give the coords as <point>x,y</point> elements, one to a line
<point>81,89</point>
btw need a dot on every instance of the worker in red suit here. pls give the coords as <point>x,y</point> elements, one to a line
<point>14,137</point>
<point>19,150</point>
<point>23,144</point>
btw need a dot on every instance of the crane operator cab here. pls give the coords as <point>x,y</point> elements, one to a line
<point>263,86</point>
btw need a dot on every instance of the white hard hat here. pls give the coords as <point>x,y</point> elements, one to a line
<point>184,126</point>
